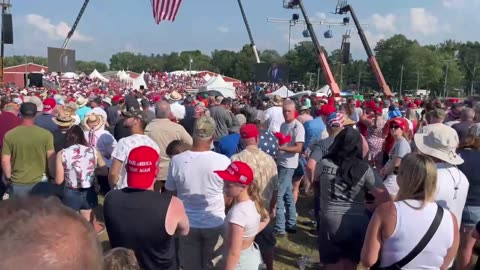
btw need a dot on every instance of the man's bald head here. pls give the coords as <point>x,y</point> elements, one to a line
<point>162,109</point>
<point>38,233</point>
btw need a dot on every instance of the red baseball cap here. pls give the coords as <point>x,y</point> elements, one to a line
<point>237,172</point>
<point>248,131</point>
<point>401,122</point>
<point>49,104</point>
<point>141,167</point>
<point>117,98</point>
<point>325,110</point>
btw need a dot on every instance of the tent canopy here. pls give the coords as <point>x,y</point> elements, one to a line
<point>70,75</point>
<point>96,75</point>
<point>139,81</point>
<point>218,84</point>
<point>282,92</point>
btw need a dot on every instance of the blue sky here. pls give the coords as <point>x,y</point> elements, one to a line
<point>110,26</point>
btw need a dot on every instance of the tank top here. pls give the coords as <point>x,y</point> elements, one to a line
<point>79,164</point>
<point>135,219</point>
<point>411,226</point>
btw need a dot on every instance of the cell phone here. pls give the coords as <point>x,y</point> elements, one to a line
<point>369,198</point>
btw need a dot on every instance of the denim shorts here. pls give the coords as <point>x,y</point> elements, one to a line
<point>80,199</point>
<point>250,259</point>
<point>470,215</point>
<point>300,170</point>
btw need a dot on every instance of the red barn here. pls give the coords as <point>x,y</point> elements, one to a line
<point>17,74</point>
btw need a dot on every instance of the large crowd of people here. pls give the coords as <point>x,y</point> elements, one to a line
<point>207,182</point>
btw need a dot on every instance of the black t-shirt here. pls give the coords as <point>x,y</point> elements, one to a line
<point>135,219</point>
<point>121,131</point>
<point>59,140</point>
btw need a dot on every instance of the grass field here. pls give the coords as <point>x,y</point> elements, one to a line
<point>288,249</point>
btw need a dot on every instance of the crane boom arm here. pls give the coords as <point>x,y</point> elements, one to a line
<point>74,26</point>
<point>327,72</point>
<point>377,71</point>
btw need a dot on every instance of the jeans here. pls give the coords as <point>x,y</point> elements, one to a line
<point>250,259</point>
<point>286,212</point>
<point>201,249</point>
<point>43,189</point>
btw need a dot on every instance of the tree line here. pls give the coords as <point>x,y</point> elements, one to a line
<point>405,63</point>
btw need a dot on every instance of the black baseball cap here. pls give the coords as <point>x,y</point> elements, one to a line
<point>28,109</point>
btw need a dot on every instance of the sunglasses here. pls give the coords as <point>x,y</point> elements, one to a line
<point>394,126</point>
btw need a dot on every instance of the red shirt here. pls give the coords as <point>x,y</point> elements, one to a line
<point>8,121</point>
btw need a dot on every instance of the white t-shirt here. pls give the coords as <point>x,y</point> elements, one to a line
<point>192,175</point>
<point>296,130</point>
<point>274,118</point>
<point>178,110</point>
<point>244,214</point>
<point>452,189</point>
<point>123,149</point>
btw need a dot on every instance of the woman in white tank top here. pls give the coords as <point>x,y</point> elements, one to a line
<point>397,227</point>
<point>244,220</point>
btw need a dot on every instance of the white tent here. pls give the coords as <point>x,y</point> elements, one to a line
<point>70,75</point>
<point>324,90</point>
<point>282,92</point>
<point>96,75</point>
<point>118,73</point>
<point>218,84</point>
<point>303,93</point>
<point>207,77</point>
<point>139,81</point>
<point>124,76</point>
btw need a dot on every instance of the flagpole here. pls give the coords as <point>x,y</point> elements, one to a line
<point>252,43</point>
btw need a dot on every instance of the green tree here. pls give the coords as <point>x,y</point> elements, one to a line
<point>224,61</point>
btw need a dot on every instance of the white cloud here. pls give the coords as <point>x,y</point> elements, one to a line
<point>423,22</point>
<point>223,29</point>
<point>384,23</point>
<point>54,31</point>
<point>460,4</point>
<point>320,15</point>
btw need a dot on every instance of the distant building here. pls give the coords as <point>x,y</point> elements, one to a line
<point>18,74</point>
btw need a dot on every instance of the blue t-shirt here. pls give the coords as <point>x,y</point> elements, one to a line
<point>228,145</point>
<point>81,112</point>
<point>313,129</point>
<point>44,120</point>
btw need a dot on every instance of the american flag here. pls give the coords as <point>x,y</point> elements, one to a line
<point>165,9</point>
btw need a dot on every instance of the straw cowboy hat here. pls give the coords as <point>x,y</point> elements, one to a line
<point>64,119</point>
<point>81,101</point>
<point>95,119</point>
<point>174,96</point>
<point>277,100</point>
<point>441,142</point>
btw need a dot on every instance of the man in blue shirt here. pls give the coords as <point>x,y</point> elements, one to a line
<point>230,144</point>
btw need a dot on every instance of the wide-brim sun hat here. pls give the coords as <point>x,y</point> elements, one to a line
<point>440,142</point>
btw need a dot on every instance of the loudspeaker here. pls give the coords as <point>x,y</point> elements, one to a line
<point>346,53</point>
<point>7,29</point>
<point>35,79</point>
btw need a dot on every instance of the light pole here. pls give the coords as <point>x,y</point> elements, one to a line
<point>473,78</point>
<point>292,23</point>
<point>418,80</point>
<point>446,77</point>
<point>401,81</point>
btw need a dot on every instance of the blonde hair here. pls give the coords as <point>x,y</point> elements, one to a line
<point>254,194</point>
<point>417,178</point>
<point>411,114</point>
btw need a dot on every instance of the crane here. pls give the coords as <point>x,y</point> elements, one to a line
<point>327,72</point>
<point>344,8</point>
<point>74,26</point>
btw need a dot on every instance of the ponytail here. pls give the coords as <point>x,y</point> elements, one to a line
<point>254,193</point>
